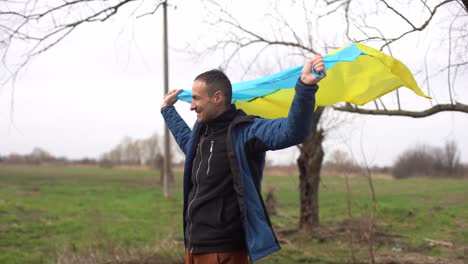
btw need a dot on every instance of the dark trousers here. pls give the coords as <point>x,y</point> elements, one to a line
<point>237,257</point>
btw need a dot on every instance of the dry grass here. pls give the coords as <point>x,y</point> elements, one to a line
<point>414,258</point>
<point>105,253</point>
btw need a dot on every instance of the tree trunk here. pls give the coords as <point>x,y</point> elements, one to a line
<point>310,164</point>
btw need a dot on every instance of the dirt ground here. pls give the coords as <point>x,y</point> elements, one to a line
<point>359,228</point>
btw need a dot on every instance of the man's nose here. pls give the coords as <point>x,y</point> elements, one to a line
<point>192,106</point>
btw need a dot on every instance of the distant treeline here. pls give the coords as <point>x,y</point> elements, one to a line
<point>136,152</point>
<point>416,161</point>
<point>129,152</point>
<point>40,156</point>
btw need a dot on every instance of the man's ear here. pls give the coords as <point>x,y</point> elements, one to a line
<point>219,97</point>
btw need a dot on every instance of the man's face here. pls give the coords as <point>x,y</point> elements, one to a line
<point>207,107</point>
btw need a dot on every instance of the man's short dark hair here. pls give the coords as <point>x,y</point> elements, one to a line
<point>216,80</point>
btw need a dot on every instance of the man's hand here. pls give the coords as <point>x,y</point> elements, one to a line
<point>170,98</point>
<point>307,76</point>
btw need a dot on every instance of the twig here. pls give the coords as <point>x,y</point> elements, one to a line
<point>350,215</point>
<point>374,206</point>
<point>413,27</point>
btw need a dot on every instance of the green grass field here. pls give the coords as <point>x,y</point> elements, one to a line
<point>97,215</point>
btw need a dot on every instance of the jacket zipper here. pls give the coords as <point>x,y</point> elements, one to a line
<point>196,187</point>
<point>209,158</point>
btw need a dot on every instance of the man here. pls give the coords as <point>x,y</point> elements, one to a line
<point>225,220</point>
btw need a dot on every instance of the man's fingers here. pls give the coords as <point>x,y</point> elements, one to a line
<point>173,93</point>
<point>171,97</point>
<point>319,67</point>
<point>316,63</point>
<point>316,59</point>
<point>308,67</point>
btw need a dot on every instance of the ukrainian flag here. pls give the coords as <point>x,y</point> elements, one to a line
<point>356,74</point>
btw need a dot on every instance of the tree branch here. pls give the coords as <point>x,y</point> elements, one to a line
<point>457,107</point>
<point>465,3</point>
<point>38,28</point>
<point>414,28</point>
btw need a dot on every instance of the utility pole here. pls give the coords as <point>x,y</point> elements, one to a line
<point>167,148</point>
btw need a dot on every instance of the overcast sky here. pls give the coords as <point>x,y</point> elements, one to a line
<point>104,82</point>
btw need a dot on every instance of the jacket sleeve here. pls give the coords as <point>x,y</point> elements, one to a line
<point>285,132</point>
<point>179,129</point>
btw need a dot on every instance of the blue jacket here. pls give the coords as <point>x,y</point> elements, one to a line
<point>247,173</point>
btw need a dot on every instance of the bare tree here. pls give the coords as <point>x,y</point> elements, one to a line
<point>310,164</point>
<point>452,158</point>
<point>150,148</point>
<point>29,28</point>
<point>340,162</point>
<point>39,156</point>
<point>247,44</point>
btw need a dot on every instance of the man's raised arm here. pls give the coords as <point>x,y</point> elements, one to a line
<point>176,124</point>
<point>285,132</point>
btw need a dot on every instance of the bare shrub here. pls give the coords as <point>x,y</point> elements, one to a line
<point>270,201</point>
<point>105,163</point>
<point>414,162</point>
<point>423,160</point>
<point>340,161</point>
